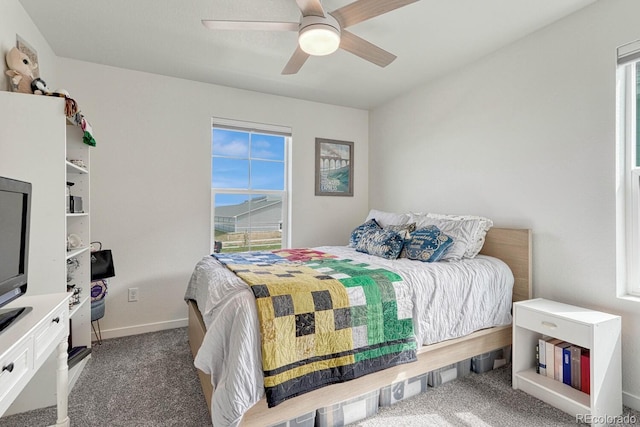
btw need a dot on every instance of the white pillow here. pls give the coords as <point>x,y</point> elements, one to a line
<point>387,218</point>
<point>476,240</point>
<point>416,216</point>
<point>467,234</point>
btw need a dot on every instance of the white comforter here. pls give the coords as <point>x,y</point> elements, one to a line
<point>451,299</point>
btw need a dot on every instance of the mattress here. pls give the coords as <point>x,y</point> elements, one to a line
<point>450,300</point>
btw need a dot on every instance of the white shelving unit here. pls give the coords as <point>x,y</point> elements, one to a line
<point>597,331</point>
<point>36,145</point>
<point>79,224</point>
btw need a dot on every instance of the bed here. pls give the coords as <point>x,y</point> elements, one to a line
<point>511,246</point>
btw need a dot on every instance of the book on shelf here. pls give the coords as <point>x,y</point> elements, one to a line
<point>559,350</point>
<point>550,356</point>
<point>542,364</point>
<point>564,362</point>
<point>575,366</point>
<point>585,371</point>
<point>566,365</point>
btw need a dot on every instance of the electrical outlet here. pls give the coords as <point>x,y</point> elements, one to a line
<point>133,294</point>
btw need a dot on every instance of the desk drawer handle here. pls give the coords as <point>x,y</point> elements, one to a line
<point>57,320</point>
<point>9,367</point>
<point>549,325</point>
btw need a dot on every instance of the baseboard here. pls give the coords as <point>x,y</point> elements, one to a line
<point>141,329</point>
<point>631,401</point>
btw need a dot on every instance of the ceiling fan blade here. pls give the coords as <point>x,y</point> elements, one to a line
<point>310,7</point>
<point>365,50</point>
<point>250,25</point>
<point>361,10</point>
<point>296,61</point>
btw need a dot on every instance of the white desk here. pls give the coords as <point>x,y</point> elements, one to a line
<point>29,342</point>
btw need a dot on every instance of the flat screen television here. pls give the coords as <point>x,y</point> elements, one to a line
<point>15,217</point>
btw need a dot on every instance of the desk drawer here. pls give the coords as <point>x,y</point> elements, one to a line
<point>50,332</point>
<point>567,330</point>
<point>15,365</point>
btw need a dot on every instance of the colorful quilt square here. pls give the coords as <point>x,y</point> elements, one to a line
<point>302,255</point>
<point>263,257</point>
<point>360,336</point>
<point>305,324</point>
<point>342,318</point>
<point>305,346</point>
<point>359,315</point>
<point>282,305</point>
<point>356,296</point>
<point>322,300</point>
<point>324,322</point>
<point>260,291</point>
<point>387,293</point>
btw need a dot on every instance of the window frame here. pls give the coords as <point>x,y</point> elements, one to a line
<point>257,128</point>
<point>628,178</point>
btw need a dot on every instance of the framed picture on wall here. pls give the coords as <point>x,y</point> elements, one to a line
<point>334,167</point>
<point>26,48</point>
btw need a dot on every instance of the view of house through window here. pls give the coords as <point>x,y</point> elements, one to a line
<point>628,168</point>
<point>249,186</point>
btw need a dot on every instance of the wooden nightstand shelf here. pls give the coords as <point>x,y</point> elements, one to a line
<point>599,332</point>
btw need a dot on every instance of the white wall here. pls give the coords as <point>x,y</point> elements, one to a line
<point>525,136</point>
<point>14,20</point>
<point>151,172</point>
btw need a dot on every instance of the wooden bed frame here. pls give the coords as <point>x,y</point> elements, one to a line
<point>513,246</point>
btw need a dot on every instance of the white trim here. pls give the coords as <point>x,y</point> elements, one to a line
<point>628,52</point>
<point>631,401</point>
<point>141,329</point>
<point>250,126</point>
<point>627,185</point>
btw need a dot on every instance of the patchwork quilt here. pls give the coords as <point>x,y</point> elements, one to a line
<point>324,319</point>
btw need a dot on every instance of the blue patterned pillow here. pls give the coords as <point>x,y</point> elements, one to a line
<point>405,231</point>
<point>428,244</point>
<point>382,243</point>
<point>360,230</point>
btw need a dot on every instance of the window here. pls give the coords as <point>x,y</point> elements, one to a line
<point>249,186</point>
<point>628,169</point>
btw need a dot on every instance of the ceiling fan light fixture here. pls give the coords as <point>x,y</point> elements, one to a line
<point>319,39</point>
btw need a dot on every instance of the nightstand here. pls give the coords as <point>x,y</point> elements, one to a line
<point>597,331</point>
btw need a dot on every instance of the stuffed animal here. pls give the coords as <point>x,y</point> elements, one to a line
<point>20,71</point>
<point>22,80</point>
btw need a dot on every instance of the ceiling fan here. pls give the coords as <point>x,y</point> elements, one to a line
<point>321,33</point>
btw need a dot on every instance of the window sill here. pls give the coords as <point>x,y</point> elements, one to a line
<point>629,297</point>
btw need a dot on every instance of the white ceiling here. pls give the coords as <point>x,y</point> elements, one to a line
<point>430,38</point>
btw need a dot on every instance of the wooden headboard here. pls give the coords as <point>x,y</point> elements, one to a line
<point>513,246</point>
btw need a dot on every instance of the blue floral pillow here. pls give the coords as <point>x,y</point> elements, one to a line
<point>427,244</point>
<point>360,230</point>
<point>382,243</point>
<point>405,231</point>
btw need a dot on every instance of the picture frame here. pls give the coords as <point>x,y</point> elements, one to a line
<point>334,167</point>
<point>24,47</point>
